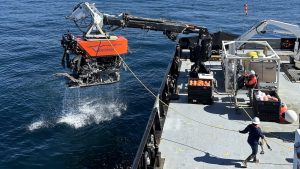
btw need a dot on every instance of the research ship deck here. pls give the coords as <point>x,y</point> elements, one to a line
<point>206,136</point>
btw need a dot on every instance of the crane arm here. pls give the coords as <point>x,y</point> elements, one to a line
<point>86,10</point>
<point>200,47</point>
<point>261,28</point>
<point>170,28</point>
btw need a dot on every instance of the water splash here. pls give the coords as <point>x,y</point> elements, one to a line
<point>37,125</point>
<point>88,112</point>
<point>82,107</point>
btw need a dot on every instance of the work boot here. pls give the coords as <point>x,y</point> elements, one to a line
<point>255,160</point>
<point>249,158</point>
<point>244,164</point>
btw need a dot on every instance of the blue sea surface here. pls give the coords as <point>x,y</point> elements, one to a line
<point>44,124</point>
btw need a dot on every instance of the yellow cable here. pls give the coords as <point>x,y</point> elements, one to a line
<point>159,98</point>
<point>213,126</point>
<point>130,68</point>
<point>271,134</point>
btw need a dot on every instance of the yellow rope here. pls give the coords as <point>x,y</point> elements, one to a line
<point>290,148</point>
<point>159,98</point>
<point>130,68</point>
<point>213,126</point>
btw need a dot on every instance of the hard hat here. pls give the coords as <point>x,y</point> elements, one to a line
<point>252,72</point>
<point>255,120</point>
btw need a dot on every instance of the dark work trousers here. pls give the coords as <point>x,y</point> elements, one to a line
<point>254,148</point>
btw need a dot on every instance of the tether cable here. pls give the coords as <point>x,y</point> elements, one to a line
<point>270,133</point>
<point>152,93</point>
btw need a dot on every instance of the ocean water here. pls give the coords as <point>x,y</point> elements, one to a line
<point>43,124</point>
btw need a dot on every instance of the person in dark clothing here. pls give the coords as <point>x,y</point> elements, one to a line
<point>253,139</point>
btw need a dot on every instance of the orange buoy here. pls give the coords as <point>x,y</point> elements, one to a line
<point>246,8</point>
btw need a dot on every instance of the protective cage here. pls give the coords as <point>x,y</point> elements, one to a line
<point>239,57</point>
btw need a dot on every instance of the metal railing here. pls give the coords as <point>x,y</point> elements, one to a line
<point>148,155</point>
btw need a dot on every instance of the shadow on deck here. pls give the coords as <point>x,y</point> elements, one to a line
<point>211,159</point>
<point>226,109</point>
<point>284,136</point>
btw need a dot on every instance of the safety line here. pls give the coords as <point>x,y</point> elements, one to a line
<point>162,100</point>
<point>130,68</point>
<point>276,136</point>
<point>270,133</point>
<point>273,135</point>
<point>213,126</point>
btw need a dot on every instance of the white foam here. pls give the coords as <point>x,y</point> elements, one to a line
<point>88,112</point>
<point>84,108</point>
<point>36,125</point>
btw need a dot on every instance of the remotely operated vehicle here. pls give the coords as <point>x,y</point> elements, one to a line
<point>94,58</point>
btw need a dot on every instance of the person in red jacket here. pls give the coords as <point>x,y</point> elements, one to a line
<point>251,80</point>
<point>250,83</point>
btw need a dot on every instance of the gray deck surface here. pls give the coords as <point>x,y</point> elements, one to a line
<point>192,137</point>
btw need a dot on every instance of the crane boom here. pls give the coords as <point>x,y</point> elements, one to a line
<point>168,27</point>
<point>260,27</point>
<point>86,10</point>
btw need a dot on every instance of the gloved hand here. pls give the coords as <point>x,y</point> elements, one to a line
<point>240,131</point>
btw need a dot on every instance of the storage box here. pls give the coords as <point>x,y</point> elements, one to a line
<point>267,110</point>
<point>200,90</point>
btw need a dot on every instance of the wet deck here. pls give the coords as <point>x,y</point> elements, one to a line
<point>195,135</point>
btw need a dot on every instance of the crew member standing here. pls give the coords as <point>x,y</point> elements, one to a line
<point>253,139</point>
<point>250,83</point>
